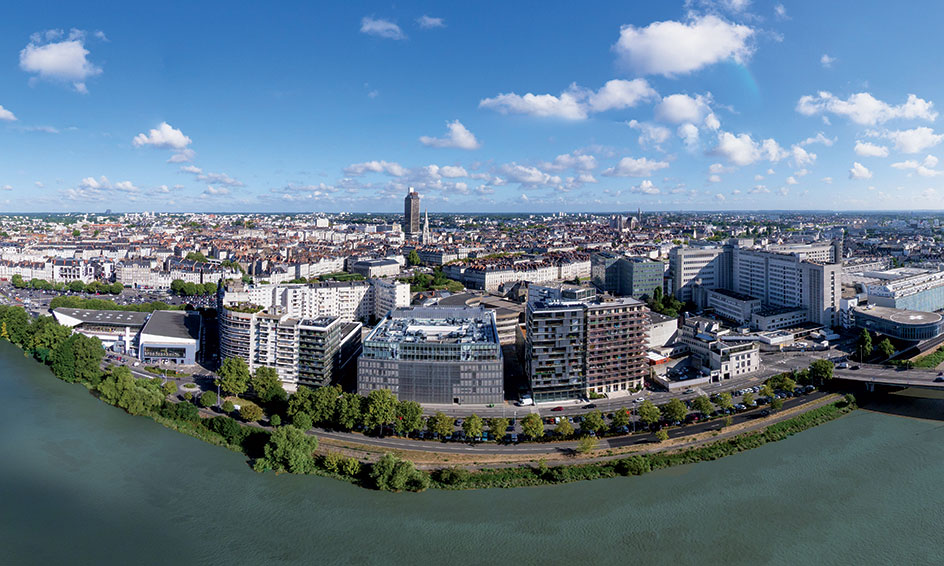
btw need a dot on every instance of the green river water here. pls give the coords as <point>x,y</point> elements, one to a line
<point>83,483</point>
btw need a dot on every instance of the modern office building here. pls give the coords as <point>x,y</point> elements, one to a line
<point>907,288</point>
<point>172,337</point>
<point>898,323</point>
<point>411,213</point>
<point>705,266</point>
<point>118,330</point>
<point>625,276</point>
<point>440,355</point>
<point>577,342</point>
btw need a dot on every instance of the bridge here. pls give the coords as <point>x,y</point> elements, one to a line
<point>872,375</point>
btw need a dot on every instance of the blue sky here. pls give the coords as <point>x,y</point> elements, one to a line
<point>596,106</point>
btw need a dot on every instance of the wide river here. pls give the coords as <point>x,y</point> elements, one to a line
<point>82,482</point>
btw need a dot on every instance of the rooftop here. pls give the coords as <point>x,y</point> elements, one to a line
<point>437,325</point>
<point>900,316</point>
<point>174,324</point>
<point>113,318</point>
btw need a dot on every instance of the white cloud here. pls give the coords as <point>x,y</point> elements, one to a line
<point>390,168</point>
<point>780,11</point>
<point>772,151</point>
<point>6,115</point>
<point>191,169</point>
<point>61,61</point>
<point>629,167</point>
<point>689,135</point>
<point>674,48</point>
<point>528,175</point>
<point>680,108</point>
<point>915,140</point>
<point>577,161</point>
<point>219,179</point>
<point>576,103</point>
<point>645,187</point>
<point>126,186</point>
<point>740,150</point>
<point>428,22</point>
<point>717,168</point>
<point>182,156</point>
<point>826,61</point>
<point>712,122</point>
<point>720,197</point>
<point>164,136</point>
<point>381,28</point>
<point>819,138</point>
<point>758,189</point>
<point>216,191</point>
<point>868,149</point>
<point>925,168</point>
<point>859,171</point>
<point>651,135</point>
<point>801,157</point>
<point>828,180</point>
<point>714,178</point>
<point>458,137</point>
<point>863,108</point>
<point>791,180</point>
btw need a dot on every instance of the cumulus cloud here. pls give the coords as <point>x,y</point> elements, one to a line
<point>863,108</point>
<point>651,135</point>
<point>164,136</point>
<point>576,103</point>
<point>826,61</point>
<point>577,161</point>
<point>630,167</point>
<point>801,157</point>
<point>819,138</point>
<point>458,136</point>
<point>390,168</point>
<point>527,175</point>
<point>428,22</point>
<point>6,115</point>
<point>742,150</point>
<point>924,168</point>
<point>59,61</point>
<point>215,191</point>
<point>183,156</point>
<point>680,108</point>
<point>914,140</point>
<point>868,149</point>
<point>720,197</point>
<point>645,187</point>
<point>689,135</point>
<point>379,27</point>
<point>675,48</point>
<point>859,171</point>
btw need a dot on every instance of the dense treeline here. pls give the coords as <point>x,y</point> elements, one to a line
<point>74,286</point>
<point>106,305</point>
<point>187,289</point>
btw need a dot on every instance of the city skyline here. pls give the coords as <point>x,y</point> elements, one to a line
<point>731,105</point>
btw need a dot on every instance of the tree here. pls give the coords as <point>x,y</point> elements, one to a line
<point>865,345</point>
<point>413,258</point>
<point>472,426</point>
<point>302,421</point>
<point>292,450</point>
<point>136,396</point>
<point>266,384</point>
<point>441,424</point>
<point>250,412</point>
<point>674,411</point>
<point>63,362</point>
<point>301,401</point>
<point>533,426</point>
<point>885,348</point>
<point>748,399</point>
<point>409,417</point>
<point>767,390</point>
<point>350,411</point>
<point>703,405</point>
<point>88,354</point>
<point>275,420</point>
<point>390,473</point>
<point>169,387</point>
<point>208,399</point>
<point>649,413</point>
<point>76,286</point>
<point>776,403</point>
<point>381,409</point>
<point>209,288</point>
<point>723,401</point>
<point>564,429</point>
<point>498,425</point>
<point>234,376</point>
<point>662,435</point>
<point>620,418</point>
<point>228,406</point>
<point>586,444</point>
<point>593,421</point>
<point>821,371</point>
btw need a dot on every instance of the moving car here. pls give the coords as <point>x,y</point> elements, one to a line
<point>557,409</point>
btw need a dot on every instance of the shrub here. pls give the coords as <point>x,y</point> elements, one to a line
<point>275,420</point>
<point>633,466</point>
<point>228,428</point>
<point>250,412</point>
<point>351,467</point>
<point>228,406</point>
<point>453,476</point>
<point>332,461</point>
<point>390,473</point>
<point>208,399</point>
<point>188,395</point>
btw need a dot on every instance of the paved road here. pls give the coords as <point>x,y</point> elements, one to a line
<point>882,375</point>
<point>395,443</point>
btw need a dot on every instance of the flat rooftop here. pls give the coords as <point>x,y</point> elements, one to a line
<point>182,325</point>
<point>900,316</point>
<point>734,295</point>
<point>111,318</point>
<point>437,326</point>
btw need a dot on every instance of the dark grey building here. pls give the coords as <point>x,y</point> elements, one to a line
<point>411,212</point>
<point>626,276</point>
<point>439,355</point>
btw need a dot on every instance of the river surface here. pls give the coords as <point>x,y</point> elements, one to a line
<point>83,483</point>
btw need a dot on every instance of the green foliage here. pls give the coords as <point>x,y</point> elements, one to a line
<point>592,421</point>
<point>266,385</point>
<point>409,417</point>
<point>784,381</point>
<point>188,289</point>
<point>228,428</point>
<point>703,405</point>
<point>620,418</point>
<point>633,466</point>
<point>932,360</point>
<point>136,396</point>
<point>533,426</point>
<point>196,256</point>
<point>169,387</point>
<point>662,435</point>
<point>291,450</point>
<point>649,413</point>
<point>473,425</point>
<point>586,445</point>
<point>441,424</point>
<point>564,429</point>
<point>250,412</point>
<point>381,409</point>
<point>821,371</point>
<point>724,401</point>
<point>302,421</point>
<point>322,405</point>
<point>106,305</point>
<point>350,411</point>
<point>208,399</point>
<point>275,420</point>
<point>776,403</point>
<point>180,411</point>
<point>748,399</point>
<point>390,473</point>
<point>675,410</point>
<point>498,426</point>
<point>413,258</point>
<point>234,376</point>
<point>865,344</point>
<point>228,406</point>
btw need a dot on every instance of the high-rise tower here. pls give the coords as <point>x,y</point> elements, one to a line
<point>411,212</point>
